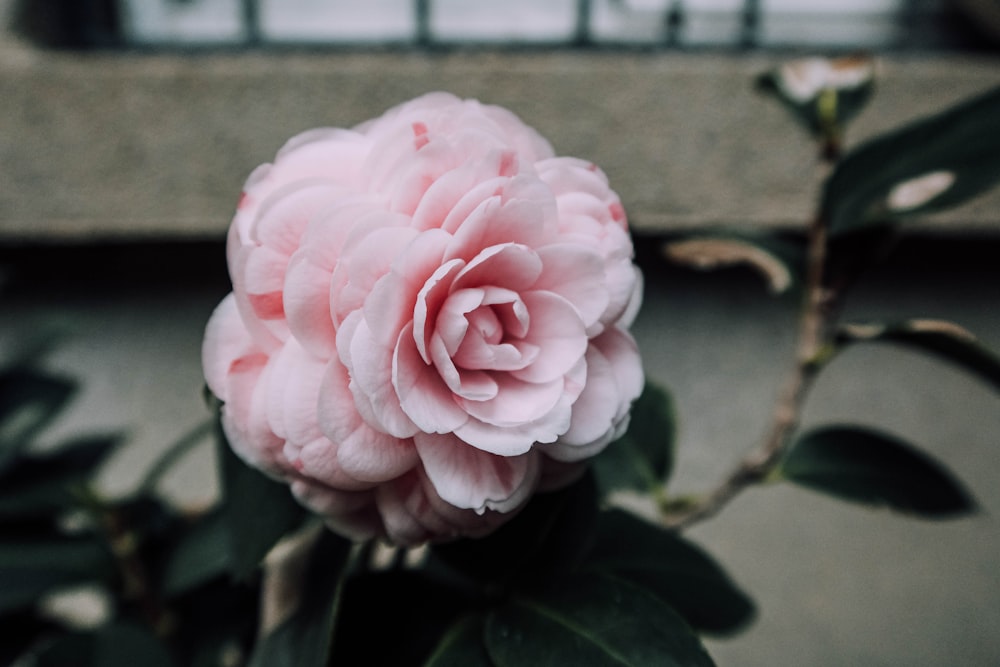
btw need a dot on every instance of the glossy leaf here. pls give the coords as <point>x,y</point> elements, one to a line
<point>48,483</point>
<point>28,402</point>
<point>127,645</point>
<point>873,468</point>
<point>71,648</point>
<point>945,340</point>
<point>931,164</point>
<point>592,620</point>
<point>672,568</point>
<point>20,632</point>
<point>416,609</point>
<point>30,569</point>
<point>777,262</point>
<point>462,645</point>
<point>258,511</point>
<point>303,640</point>
<point>643,458</point>
<point>548,536</point>
<point>198,555</point>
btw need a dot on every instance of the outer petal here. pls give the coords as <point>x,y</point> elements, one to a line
<point>470,478</point>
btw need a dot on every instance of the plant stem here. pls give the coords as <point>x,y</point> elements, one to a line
<point>813,335</point>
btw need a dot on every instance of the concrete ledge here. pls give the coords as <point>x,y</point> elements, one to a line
<point>156,146</point>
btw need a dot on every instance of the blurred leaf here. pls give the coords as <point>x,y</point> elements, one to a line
<point>30,569</point>
<point>197,555</point>
<point>675,570</point>
<point>415,608</point>
<point>303,640</point>
<point>932,164</point>
<point>462,645</point>
<point>943,339</point>
<point>876,469</point>
<point>643,458</point>
<point>216,623</point>
<point>47,483</point>
<point>548,536</point>
<point>592,620</point>
<point>72,648</point>
<point>28,402</point>
<point>21,631</point>
<point>778,263</point>
<point>127,645</point>
<point>258,511</point>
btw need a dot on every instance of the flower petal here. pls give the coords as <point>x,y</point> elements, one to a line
<point>470,478</point>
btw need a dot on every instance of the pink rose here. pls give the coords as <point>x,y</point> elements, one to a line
<point>428,320</point>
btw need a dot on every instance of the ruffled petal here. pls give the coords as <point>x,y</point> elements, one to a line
<point>470,478</point>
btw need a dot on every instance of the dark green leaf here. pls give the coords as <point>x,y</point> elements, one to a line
<point>942,339</point>
<point>876,469</point>
<point>127,645</point>
<point>20,632</point>
<point>303,640</point>
<point>462,646</point>
<point>216,622</point>
<point>643,458</point>
<point>73,648</point>
<point>258,511</point>
<point>198,555</point>
<point>592,620</point>
<point>673,569</point>
<point>28,402</point>
<point>416,609</point>
<point>955,154</point>
<point>777,261</point>
<point>30,569</point>
<point>548,536</point>
<point>48,483</point>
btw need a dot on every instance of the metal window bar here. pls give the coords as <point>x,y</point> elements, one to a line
<point>678,24</point>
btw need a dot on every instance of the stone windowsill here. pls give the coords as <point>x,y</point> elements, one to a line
<point>134,146</point>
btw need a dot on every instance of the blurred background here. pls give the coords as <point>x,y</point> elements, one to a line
<point>128,126</point>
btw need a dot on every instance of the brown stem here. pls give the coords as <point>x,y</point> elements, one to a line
<point>124,545</point>
<point>812,334</point>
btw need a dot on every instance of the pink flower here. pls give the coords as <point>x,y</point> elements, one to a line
<point>428,320</point>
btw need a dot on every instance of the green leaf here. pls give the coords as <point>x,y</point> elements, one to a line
<point>258,510</point>
<point>778,262</point>
<point>945,340</point>
<point>72,648</point>
<point>673,569</point>
<point>214,622</point>
<point>20,632</point>
<point>125,644</point>
<point>29,401</point>
<point>30,569</point>
<point>548,536</point>
<point>643,458</point>
<point>198,555</point>
<point>417,609</point>
<point>592,620</point>
<point>48,483</point>
<point>876,469</point>
<point>932,164</point>
<point>303,640</point>
<point>462,645</point>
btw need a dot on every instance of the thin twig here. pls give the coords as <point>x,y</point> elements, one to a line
<point>812,335</point>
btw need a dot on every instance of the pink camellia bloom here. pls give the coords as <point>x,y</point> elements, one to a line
<point>428,320</point>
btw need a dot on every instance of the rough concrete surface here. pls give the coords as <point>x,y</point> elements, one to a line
<point>157,145</point>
